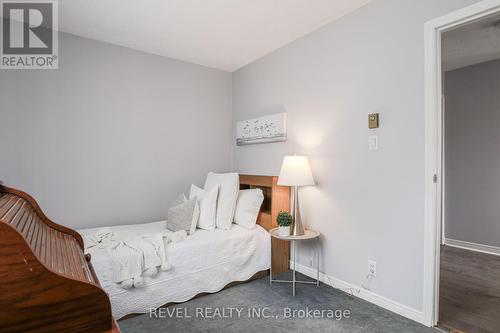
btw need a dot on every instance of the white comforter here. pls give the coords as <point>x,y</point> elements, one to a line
<point>203,262</point>
<point>134,254</point>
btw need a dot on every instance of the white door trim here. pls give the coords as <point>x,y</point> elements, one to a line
<point>433,145</point>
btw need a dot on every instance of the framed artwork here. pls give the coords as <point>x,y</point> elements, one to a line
<point>261,130</point>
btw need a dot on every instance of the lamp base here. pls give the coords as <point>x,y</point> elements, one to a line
<point>297,228</point>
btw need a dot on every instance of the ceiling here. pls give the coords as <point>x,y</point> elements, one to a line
<point>223,34</point>
<point>472,44</point>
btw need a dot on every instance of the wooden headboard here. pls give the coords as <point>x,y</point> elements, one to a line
<point>276,199</point>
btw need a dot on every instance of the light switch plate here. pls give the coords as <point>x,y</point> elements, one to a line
<point>373,142</point>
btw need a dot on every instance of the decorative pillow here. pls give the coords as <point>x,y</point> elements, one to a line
<point>228,193</point>
<point>179,200</point>
<point>207,201</point>
<point>183,216</point>
<point>248,207</point>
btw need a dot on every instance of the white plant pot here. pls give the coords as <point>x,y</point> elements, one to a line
<point>284,231</point>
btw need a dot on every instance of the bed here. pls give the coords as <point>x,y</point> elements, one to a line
<point>50,284</point>
<point>203,262</point>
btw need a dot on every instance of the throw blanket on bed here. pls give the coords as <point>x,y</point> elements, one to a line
<point>134,255</point>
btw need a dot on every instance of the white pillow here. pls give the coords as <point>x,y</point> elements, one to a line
<point>228,193</point>
<point>184,215</point>
<point>248,207</point>
<point>207,200</point>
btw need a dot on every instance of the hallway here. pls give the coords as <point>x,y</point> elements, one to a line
<point>469,291</point>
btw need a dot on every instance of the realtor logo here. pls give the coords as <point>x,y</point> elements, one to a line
<point>29,38</point>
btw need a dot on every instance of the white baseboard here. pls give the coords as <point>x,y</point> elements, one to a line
<point>473,246</point>
<point>364,294</point>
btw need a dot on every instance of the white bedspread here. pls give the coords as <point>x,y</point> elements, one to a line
<point>133,254</point>
<point>203,262</point>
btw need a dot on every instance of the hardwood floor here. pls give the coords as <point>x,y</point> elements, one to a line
<point>469,291</point>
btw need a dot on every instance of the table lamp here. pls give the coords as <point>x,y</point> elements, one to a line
<point>295,172</point>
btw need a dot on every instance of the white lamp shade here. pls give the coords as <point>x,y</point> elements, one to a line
<point>295,171</point>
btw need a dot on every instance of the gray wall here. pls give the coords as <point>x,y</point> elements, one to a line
<point>114,134</point>
<point>473,154</point>
<point>367,204</point>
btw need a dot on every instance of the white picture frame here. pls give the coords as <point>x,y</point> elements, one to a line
<point>261,130</point>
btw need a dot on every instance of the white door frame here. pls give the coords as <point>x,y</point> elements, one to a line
<point>433,145</point>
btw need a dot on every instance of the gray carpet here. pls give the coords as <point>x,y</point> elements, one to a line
<point>258,294</point>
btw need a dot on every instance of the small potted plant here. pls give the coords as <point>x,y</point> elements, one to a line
<point>284,220</point>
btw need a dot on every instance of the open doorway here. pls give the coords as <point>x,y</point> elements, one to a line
<point>469,298</point>
<point>471,307</point>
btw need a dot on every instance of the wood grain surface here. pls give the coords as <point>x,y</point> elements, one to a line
<point>276,199</point>
<point>48,285</point>
<point>469,291</point>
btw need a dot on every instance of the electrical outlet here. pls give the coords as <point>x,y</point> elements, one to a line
<point>372,267</point>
